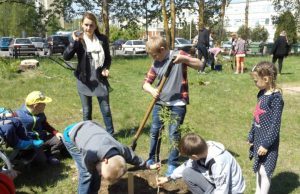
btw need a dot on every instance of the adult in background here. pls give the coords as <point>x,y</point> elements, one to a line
<point>280,50</point>
<point>94,60</point>
<point>202,46</point>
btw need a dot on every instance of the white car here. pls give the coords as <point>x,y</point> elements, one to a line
<point>38,42</point>
<point>134,46</point>
<point>21,46</point>
<point>183,44</point>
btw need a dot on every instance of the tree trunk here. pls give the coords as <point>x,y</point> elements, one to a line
<point>173,23</point>
<point>201,14</point>
<point>166,20</point>
<point>222,15</point>
<point>246,18</point>
<point>105,17</point>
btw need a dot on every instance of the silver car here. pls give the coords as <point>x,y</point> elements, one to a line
<point>21,46</point>
<point>134,46</point>
<point>183,44</point>
<point>38,42</point>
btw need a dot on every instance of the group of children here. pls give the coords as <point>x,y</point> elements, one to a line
<point>210,168</point>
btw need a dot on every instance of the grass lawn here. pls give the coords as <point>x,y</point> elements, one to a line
<point>220,109</point>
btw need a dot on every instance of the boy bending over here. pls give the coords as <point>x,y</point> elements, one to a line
<point>210,168</point>
<point>97,154</point>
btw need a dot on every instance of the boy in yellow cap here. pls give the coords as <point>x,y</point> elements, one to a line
<point>34,120</point>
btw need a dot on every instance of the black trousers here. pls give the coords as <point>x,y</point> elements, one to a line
<point>202,52</point>
<point>280,62</point>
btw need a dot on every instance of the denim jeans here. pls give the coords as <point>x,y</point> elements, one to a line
<point>86,102</point>
<point>87,183</point>
<point>177,117</point>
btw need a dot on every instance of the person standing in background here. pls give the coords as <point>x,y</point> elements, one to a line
<point>280,50</point>
<point>202,46</point>
<point>240,54</point>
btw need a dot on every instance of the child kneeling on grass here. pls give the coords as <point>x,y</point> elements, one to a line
<point>210,168</point>
<point>35,122</point>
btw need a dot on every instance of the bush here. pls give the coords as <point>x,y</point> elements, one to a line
<point>244,33</point>
<point>8,68</point>
<point>259,34</point>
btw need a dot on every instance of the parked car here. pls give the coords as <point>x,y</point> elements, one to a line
<point>183,44</point>
<point>134,46</point>
<point>57,43</point>
<point>45,47</point>
<point>38,42</point>
<point>118,44</point>
<point>4,43</point>
<point>21,46</point>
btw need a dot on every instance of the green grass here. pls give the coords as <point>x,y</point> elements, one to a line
<point>221,111</point>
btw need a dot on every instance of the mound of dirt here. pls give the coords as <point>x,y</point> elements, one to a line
<point>144,183</point>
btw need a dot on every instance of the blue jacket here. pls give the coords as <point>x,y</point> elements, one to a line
<point>36,125</point>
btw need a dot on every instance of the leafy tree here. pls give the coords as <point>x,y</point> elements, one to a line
<point>286,21</point>
<point>288,5</point>
<point>259,33</point>
<point>244,32</point>
<point>53,25</point>
<point>19,20</point>
<point>188,30</point>
<point>218,33</point>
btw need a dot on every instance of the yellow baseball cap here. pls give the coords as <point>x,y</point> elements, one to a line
<point>37,97</point>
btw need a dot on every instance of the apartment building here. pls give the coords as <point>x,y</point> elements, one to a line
<point>260,13</point>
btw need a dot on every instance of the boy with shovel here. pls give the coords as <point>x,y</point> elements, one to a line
<point>174,95</point>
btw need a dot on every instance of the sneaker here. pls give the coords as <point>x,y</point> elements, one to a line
<point>170,170</point>
<point>152,165</point>
<point>52,160</point>
<point>202,72</point>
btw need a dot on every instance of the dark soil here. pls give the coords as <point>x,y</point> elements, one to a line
<point>144,183</point>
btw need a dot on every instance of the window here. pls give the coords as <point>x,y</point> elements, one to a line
<point>267,21</point>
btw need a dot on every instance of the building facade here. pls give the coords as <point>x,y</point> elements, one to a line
<point>260,13</point>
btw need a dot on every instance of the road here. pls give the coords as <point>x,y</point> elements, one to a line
<point>41,54</point>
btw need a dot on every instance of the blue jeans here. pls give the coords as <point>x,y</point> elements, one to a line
<point>87,183</point>
<point>86,102</point>
<point>177,117</point>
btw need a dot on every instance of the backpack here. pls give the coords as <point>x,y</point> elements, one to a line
<point>4,114</point>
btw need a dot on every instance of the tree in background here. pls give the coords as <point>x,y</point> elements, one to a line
<point>246,26</point>
<point>287,22</point>
<point>19,21</point>
<point>187,30</point>
<point>165,21</point>
<point>173,23</point>
<point>53,25</point>
<point>259,34</point>
<point>244,32</point>
<point>288,5</point>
